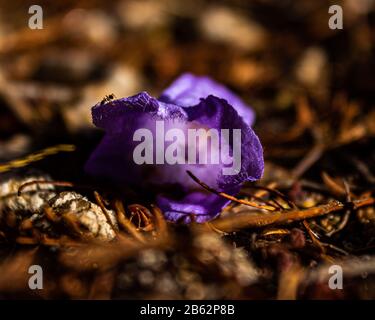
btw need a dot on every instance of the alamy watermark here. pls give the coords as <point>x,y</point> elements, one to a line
<point>197,146</point>
<point>36,20</point>
<point>336,280</point>
<point>36,280</point>
<point>336,19</point>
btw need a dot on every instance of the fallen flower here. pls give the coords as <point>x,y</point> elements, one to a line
<point>133,149</point>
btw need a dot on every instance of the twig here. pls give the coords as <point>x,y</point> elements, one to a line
<point>363,169</point>
<point>50,214</point>
<point>228,196</point>
<point>126,223</point>
<point>290,203</point>
<point>346,216</point>
<point>275,232</point>
<point>271,202</point>
<point>250,220</point>
<point>100,202</point>
<point>144,215</point>
<point>314,237</point>
<point>311,157</point>
<point>335,188</point>
<point>71,220</point>
<point>53,183</point>
<point>37,156</point>
<point>160,223</point>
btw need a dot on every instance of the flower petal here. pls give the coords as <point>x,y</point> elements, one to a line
<point>188,89</point>
<point>219,114</point>
<point>112,159</point>
<point>196,206</point>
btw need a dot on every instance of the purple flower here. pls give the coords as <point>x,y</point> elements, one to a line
<point>151,143</point>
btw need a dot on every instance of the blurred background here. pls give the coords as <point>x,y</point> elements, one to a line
<point>273,53</point>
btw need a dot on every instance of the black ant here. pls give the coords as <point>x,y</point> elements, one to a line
<point>107,98</point>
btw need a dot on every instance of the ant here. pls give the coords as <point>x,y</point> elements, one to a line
<point>107,98</point>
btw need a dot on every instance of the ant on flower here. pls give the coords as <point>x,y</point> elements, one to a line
<point>107,98</point>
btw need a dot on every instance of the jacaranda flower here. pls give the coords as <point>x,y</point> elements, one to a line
<point>196,125</point>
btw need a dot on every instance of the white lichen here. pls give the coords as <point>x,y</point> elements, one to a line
<point>90,215</point>
<point>31,202</point>
<point>33,197</point>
